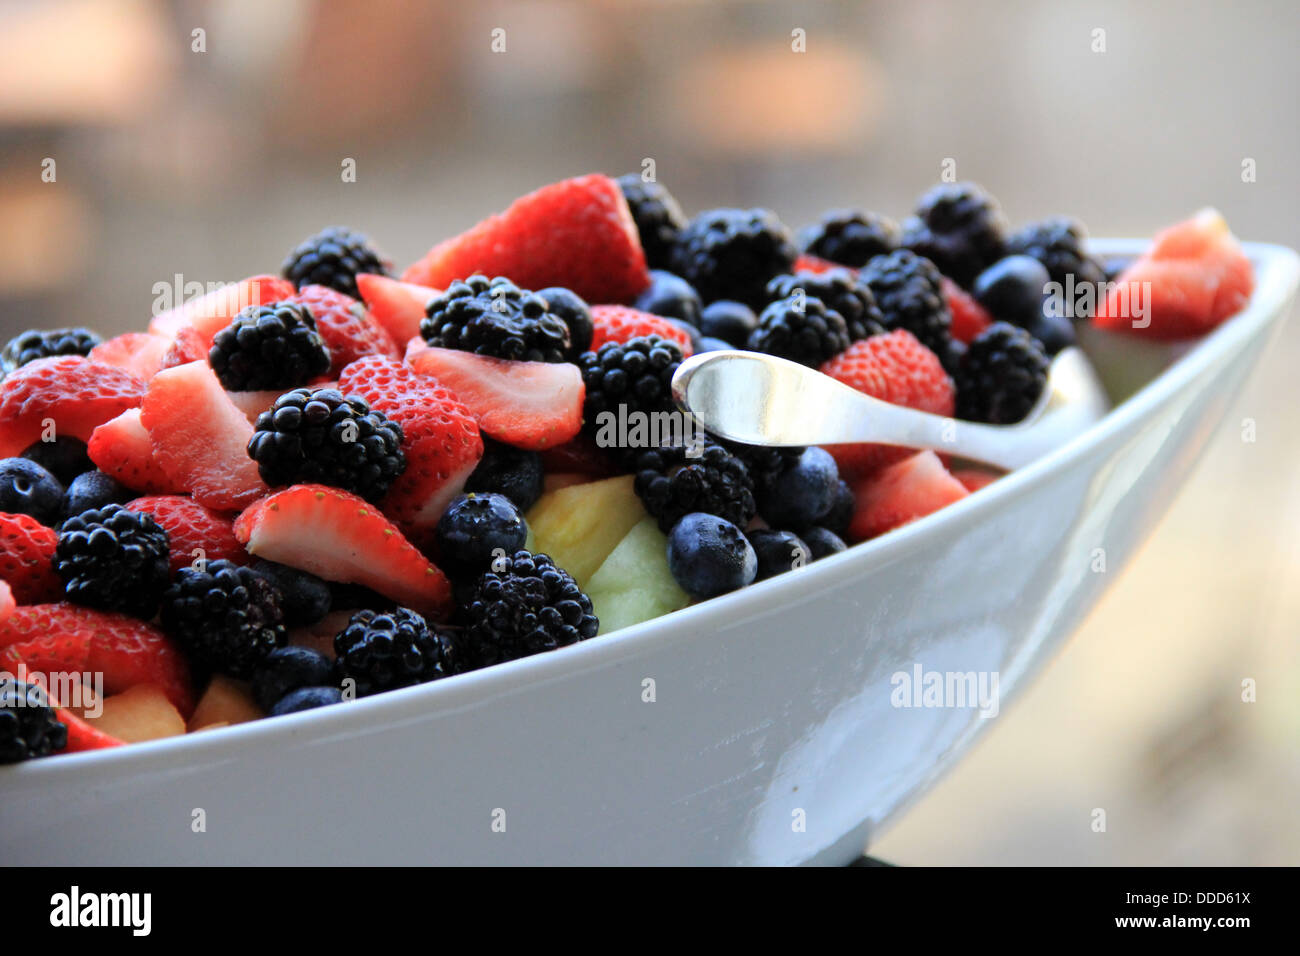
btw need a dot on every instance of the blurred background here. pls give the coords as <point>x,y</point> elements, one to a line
<point>206,139</point>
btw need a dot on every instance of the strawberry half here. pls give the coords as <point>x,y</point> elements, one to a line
<point>900,493</point>
<point>200,437</point>
<point>27,559</point>
<point>969,318</point>
<point>339,537</point>
<point>122,448</point>
<point>74,393</point>
<point>532,405</point>
<point>208,314</point>
<point>192,527</point>
<point>618,323</point>
<point>440,437</point>
<point>348,330</point>
<point>136,353</point>
<point>397,306</point>
<point>577,233</point>
<point>7,602</point>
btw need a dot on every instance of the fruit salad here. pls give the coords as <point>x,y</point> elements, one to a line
<point>301,489</point>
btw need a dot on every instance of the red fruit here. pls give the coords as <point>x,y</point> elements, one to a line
<point>339,537</point>
<point>902,492</point>
<point>27,559</point>
<point>123,449</point>
<point>82,736</point>
<point>894,368</point>
<point>71,392</point>
<point>532,405</point>
<point>968,317</point>
<point>581,456</point>
<point>192,527</point>
<point>347,328</point>
<point>397,306</point>
<point>7,602</point>
<point>1198,276</point>
<point>577,233</point>
<point>209,314</point>
<point>814,264</point>
<point>200,437</point>
<point>126,650</point>
<point>190,345</point>
<point>973,479</point>
<point>137,353</point>
<point>618,323</point>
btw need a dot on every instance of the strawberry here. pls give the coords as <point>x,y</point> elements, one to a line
<point>894,368</point>
<point>968,317</point>
<point>192,527</point>
<point>397,306</point>
<point>577,233</point>
<point>581,456</point>
<point>339,537</point>
<point>347,328</point>
<point>81,735</point>
<point>902,492</point>
<point>27,559</point>
<point>814,264</point>
<point>209,314</point>
<point>618,323</point>
<point>126,650</point>
<point>7,602</point>
<point>137,353</point>
<point>532,405</point>
<point>200,437</point>
<point>71,392</point>
<point>189,345</point>
<point>973,479</point>
<point>440,437</point>
<point>121,447</point>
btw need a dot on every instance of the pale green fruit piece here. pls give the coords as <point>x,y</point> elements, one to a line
<point>634,584</point>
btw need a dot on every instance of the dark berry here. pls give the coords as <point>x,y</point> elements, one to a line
<point>38,344</point>
<point>778,551</point>
<point>657,215</point>
<point>305,598</point>
<point>574,312</point>
<point>1053,330</point>
<point>1012,289</point>
<point>636,374</point>
<point>733,253</point>
<point>320,436</point>
<point>691,331</point>
<point>510,471</point>
<point>708,555</point>
<point>850,237</point>
<point>306,698</point>
<point>841,291</point>
<point>909,293</point>
<point>671,297</point>
<point>1114,266</point>
<point>709,344</point>
<point>226,617</point>
<point>28,489</point>
<point>348,597</point>
<point>801,494</point>
<point>93,489</point>
<point>837,519</point>
<point>1059,244</point>
<point>334,257</point>
<point>822,542</point>
<point>495,317</point>
<point>287,669</point>
<point>475,528</point>
<point>28,726</point>
<point>800,329</point>
<point>1001,376</point>
<point>65,457</point>
<point>267,347</point>
<point>385,650</point>
<point>727,320</point>
<point>673,481</point>
<point>960,228</point>
<point>113,559</point>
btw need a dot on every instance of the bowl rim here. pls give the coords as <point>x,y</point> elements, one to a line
<point>1277,273</point>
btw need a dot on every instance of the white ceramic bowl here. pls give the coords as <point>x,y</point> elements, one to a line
<point>771,738</point>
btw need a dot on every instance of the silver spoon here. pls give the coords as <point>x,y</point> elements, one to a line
<point>762,400</point>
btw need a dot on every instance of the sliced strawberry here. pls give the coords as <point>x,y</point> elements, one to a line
<point>577,233</point>
<point>7,602</point>
<point>581,456</point>
<point>532,405</point>
<point>82,736</point>
<point>894,368</point>
<point>71,392</point>
<point>349,331</point>
<point>969,318</point>
<point>209,314</point>
<point>200,437</point>
<point>121,447</point>
<point>439,435</point>
<point>137,353</point>
<point>189,345</point>
<point>192,527</point>
<point>902,492</point>
<point>339,537</point>
<point>27,559</point>
<point>618,323</point>
<point>973,479</point>
<point>814,264</point>
<point>397,306</point>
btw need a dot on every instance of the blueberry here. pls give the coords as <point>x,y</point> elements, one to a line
<point>1055,331</point>
<point>730,321</point>
<point>671,297</point>
<point>690,330</point>
<point>837,519</point>
<point>801,493</point>
<point>778,551</point>
<point>288,669</point>
<point>474,528</point>
<point>64,458</point>
<point>822,542</point>
<point>94,489</point>
<point>708,344</point>
<point>1012,289</point>
<point>508,471</point>
<point>570,307</point>
<point>28,489</point>
<point>708,555</point>
<point>350,597</point>
<point>305,698</point>
<point>306,598</point>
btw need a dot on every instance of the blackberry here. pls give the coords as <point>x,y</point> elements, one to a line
<point>113,559</point>
<point>228,618</point>
<point>801,329</point>
<point>850,237</point>
<point>763,461</point>
<point>319,436</point>
<point>524,605</point>
<point>909,292</point>
<point>657,215</point>
<point>384,650</point>
<point>960,228</point>
<point>733,254</point>
<point>574,312</point>
<point>495,317</point>
<point>333,257</point>
<point>1058,243</point>
<point>636,374</point>
<point>37,344</point>
<point>269,346</point>
<point>1001,376</point>
<point>675,480</point>
<point>842,291</point>
<point>28,727</point>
